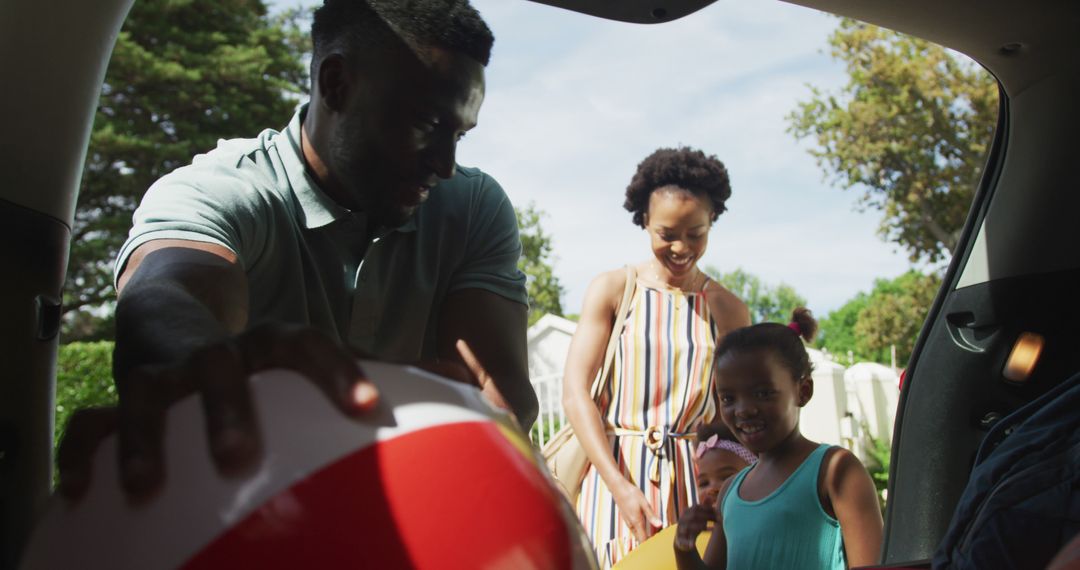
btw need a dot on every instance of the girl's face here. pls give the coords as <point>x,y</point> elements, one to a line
<point>713,469</point>
<point>678,223</point>
<point>759,398</point>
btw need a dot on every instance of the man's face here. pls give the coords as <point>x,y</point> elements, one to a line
<point>398,134</point>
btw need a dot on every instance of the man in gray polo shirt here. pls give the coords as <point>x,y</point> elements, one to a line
<point>353,229</point>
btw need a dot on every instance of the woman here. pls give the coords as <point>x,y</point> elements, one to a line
<point>638,437</point>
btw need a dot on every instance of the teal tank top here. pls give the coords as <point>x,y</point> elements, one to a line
<point>787,529</point>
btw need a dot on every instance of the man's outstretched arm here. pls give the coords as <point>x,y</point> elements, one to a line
<point>493,329</point>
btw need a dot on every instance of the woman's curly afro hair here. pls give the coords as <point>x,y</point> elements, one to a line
<point>684,167</point>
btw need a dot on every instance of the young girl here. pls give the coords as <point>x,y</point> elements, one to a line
<point>718,457</point>
<point>803,504</point>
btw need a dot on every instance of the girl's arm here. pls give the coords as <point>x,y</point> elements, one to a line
<point>855,502</point>
<point>585,357</point>
<point>716,551</point>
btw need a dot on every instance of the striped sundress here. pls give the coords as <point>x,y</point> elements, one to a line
<point>662,383</point>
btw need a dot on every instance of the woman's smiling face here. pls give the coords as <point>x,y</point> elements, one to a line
<point>678,223</point>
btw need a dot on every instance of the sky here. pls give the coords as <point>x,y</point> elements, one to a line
<point>574,103</point>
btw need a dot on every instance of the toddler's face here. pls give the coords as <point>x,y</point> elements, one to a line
<point>714,468</point>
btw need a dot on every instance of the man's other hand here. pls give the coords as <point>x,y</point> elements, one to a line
<point>219,373</point>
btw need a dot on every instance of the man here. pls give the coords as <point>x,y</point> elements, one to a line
<point>352,227</point>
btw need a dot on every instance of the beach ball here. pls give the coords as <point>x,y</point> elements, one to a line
<point>435,478</point>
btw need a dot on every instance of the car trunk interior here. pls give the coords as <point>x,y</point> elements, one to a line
<point>1017,267</point>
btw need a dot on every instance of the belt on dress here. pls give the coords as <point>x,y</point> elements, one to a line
<point>655,436</point>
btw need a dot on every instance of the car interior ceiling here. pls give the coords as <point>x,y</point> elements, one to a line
<point>1017,268</point>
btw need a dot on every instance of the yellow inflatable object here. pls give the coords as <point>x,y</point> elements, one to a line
<point>658,552</point>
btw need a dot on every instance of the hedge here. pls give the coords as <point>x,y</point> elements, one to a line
<point>83,379</point>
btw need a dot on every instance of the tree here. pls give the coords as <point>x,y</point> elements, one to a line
<point>836,332</point>
<point>891,315</point>
<point>911,128</point>
<point>766,303</point>
<point>895,314</point>
<point>183,74</point>
<point>545,291</point>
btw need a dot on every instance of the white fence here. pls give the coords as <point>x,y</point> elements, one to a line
<point>848,404</point>
<point>551,417</point>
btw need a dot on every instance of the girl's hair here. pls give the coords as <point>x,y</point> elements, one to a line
<point>687,168</point>
<point>785,340</point>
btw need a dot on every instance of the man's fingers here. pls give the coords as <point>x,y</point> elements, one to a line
<point>317,357</point>
<point>472,363</point>
<point>228,412</point>
<point>85,430</point>
<point>487,384</point>
<point>140,430</point>
<point>450,369</point>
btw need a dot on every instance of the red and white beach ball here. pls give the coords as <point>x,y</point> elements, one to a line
<point>434,479</point>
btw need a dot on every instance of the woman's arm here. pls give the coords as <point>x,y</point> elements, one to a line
<point>585,357</point>
<point>855,502</point>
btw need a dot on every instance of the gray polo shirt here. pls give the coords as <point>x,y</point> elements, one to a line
<point>308,260</point>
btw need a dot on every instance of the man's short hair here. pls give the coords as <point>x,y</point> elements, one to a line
<point>354,26</point>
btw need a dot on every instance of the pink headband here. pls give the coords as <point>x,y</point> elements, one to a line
<point>715,442</point>
<point>795,327</point>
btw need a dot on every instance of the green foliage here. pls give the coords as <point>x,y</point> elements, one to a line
<point>767,303</point>
<point>183,74</point>
<point>911,129</point>
<point>895,315</point>
<point>836,332</point>
<point>892,314</point>
<point>545,291</point>
<point>83,379</point>
<point>549,429</point>
<point>877,463</point>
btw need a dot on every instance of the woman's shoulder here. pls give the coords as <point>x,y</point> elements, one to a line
<point>726,306</point>
<point>610,280</point>
<point>606,288</point>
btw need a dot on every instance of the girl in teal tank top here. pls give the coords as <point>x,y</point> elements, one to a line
<point>803,505</point>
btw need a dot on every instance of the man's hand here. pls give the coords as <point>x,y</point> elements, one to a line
<point>486,334</point>
<point>219,373</point>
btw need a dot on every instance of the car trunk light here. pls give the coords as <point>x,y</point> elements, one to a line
<point>1025,354</point>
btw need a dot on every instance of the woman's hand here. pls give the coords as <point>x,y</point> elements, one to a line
<point>635,510</point>
<point>692,523</point>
